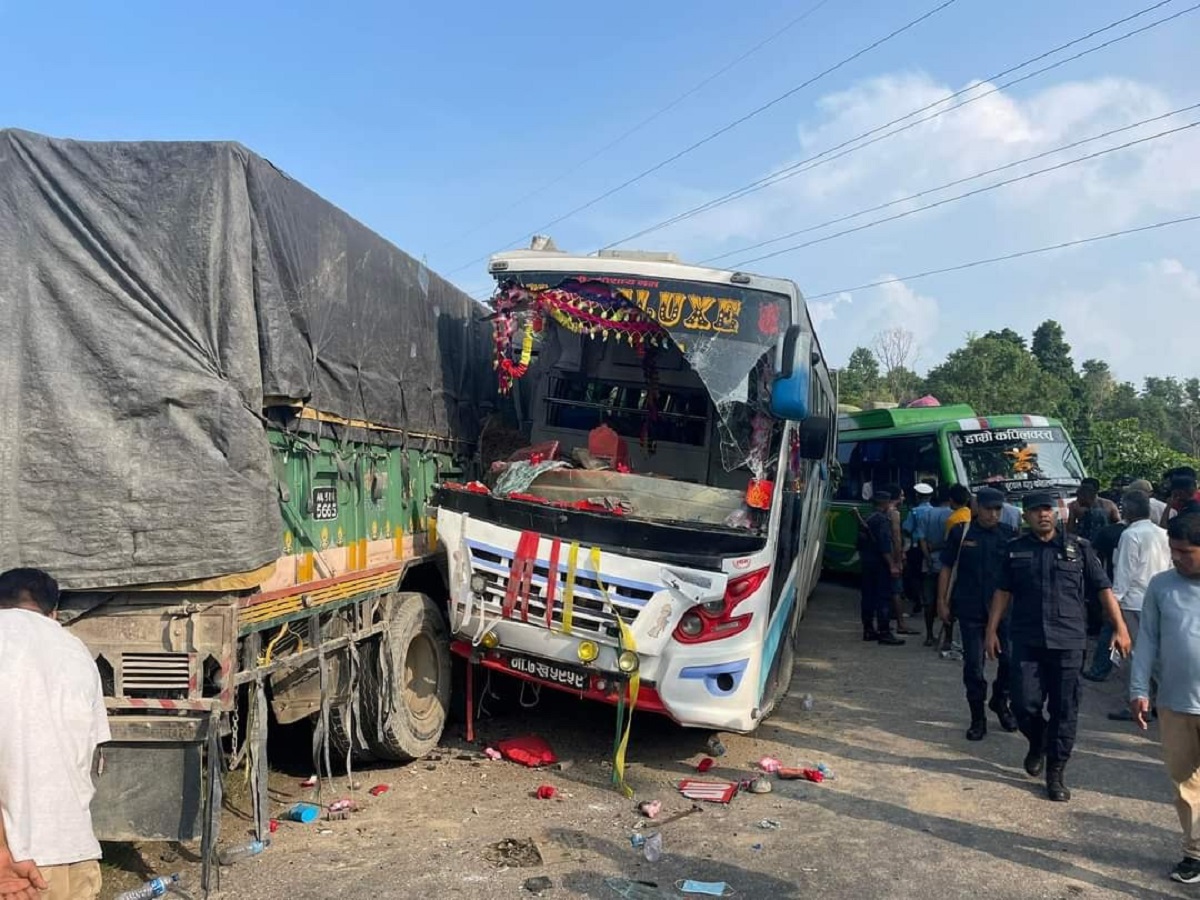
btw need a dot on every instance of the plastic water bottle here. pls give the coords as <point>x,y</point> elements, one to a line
<point>653,847</point>
<point>151,889</point>
<point>230,855</point>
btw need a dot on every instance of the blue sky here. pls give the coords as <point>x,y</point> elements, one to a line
<point>429,122</point>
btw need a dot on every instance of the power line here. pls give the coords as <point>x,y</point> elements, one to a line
<point>949,184</point>
<point>972,193</point>
<point>724,129</point>
<point>696,88</point>
<point>1006,257</point>
<point>812,162</point>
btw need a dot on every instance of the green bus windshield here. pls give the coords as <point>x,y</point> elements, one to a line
<point>1016,459</point>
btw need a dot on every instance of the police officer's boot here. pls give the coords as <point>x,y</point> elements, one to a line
<point>1035,759</point>
<point>1055,789</point>
<point>978,728</point>
<point>1003,711</point>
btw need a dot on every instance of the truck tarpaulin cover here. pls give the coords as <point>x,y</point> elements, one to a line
<point>153,296</point>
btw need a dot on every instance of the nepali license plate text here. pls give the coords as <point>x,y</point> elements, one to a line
<point>548,672</point>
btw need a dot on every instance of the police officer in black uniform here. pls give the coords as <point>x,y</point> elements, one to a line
<point>1044,580</point>
<point>972,559</point>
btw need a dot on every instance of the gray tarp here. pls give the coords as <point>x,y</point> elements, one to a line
<point>151,296</point>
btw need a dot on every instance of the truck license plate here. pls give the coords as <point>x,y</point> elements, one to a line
<point>548,672</point>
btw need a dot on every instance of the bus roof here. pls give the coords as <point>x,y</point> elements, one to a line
<point>901,418</point>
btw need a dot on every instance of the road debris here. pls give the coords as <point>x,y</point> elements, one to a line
<point>379,789</point>
<point>305,813</point>
<point>528,750</point>
<point>546,792</point>
<point>705,888</point>
<point>513,853</point>
<point>769,824</point>
<point>636,890</point>
<point>711,791</point>
<point>650,808</point>
<point>538,884</point>
<point>715,747</point>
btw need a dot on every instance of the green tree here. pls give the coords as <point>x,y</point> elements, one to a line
<point>1052,351</point>
<point>1123,448</point>
<point>904,385</point>
<point>995,376</point>
<point>1007,334</point>
<point>860,381</point>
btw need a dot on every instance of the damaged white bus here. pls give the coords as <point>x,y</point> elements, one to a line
<point>653,526</point>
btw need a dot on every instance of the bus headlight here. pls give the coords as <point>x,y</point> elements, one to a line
<point>628,662</point>
<point>691,625</point>
<point>587,651</point>
<point>490,640</point>
<point>478,583</point>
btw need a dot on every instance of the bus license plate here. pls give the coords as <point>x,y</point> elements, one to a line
<point>537,668</point>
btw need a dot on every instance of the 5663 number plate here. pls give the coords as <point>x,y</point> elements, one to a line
<point>546,671</point>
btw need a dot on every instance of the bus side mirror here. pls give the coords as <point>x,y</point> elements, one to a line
<point>793,369</point>
<point>814,437</point>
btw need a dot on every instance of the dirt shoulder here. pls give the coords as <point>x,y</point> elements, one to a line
<point>914,810</point>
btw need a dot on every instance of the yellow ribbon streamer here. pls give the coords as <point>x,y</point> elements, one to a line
<point>627,642</point>
<point>569,588</point>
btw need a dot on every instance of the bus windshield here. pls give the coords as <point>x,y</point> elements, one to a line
<point>1016,459</point>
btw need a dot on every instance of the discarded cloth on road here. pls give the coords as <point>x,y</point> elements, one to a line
<point>529,750</point>
<point>712,791</point>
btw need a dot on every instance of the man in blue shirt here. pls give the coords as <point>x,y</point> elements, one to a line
<point>1170,621</point>
<point>932,539</point>
<point>914,558</point>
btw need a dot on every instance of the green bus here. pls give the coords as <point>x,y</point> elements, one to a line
<point>942,445</point>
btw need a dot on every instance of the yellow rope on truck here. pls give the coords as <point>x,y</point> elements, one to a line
<point>627,642</point>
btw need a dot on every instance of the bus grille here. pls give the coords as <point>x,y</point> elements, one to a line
<point>591,615</point>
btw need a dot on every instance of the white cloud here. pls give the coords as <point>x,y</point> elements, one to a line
<point>1141,324</point>
<point>894,305</point>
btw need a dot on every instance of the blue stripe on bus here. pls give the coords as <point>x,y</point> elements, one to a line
<point>775,631</point>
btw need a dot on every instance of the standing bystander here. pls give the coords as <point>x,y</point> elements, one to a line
<point>52,714</point>
<point>1089,512</point>
<point>1142,553</point>
<point>932,538</point>
<point>878,571</point>
<point>1166,642</point>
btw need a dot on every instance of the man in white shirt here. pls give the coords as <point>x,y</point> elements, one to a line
<point>1142,553</point>
<point>52,714</point>
<point>1157,507</point>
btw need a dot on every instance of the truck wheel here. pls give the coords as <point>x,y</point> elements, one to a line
<point>341,740</point>
<point>413,676</point>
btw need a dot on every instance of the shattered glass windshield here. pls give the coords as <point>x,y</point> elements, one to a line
<point>726,333</point>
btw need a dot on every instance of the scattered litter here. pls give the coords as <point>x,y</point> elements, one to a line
<point>652,849</point>
<point>650,808</point>
<point>325,831</point>
<point>807,702</point>
<point>538,884</point>
<point>529,750</point>
<point>513,852</point>
<point>705,764</point>
<point>309,782</point>
<point>546,792</point>
<point>826,771</point>
<point>715,747</point>
<point>379,789</point>
<point>564,764</point>
<point>636,890</point>
<point>814,775</point>
<point>712,791</point>
<point>707,888</point>
<point>756,847</point>
<point>760,785</point>
<point>769,764</point>
<point>492,753</point>
<point>340,810</point>
<point>272,825</point>
<point>306,813</point>
<point>809,869</point>
<point>769,825</point>
<point>155,887</point>
<point>231,855</point>
<point>952,655</point>
<point>637,841</point>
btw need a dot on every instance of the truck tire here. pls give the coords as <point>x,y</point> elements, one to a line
<point>341,740</point>
<point>410,682</point>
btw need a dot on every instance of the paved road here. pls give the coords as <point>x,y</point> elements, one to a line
<point>916,811</point>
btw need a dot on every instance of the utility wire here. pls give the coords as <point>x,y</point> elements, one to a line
<point>972,193</point>
<point>723,130</point>
<point>852,145</point>
<point>695,89</point>
<point>1008,256</point>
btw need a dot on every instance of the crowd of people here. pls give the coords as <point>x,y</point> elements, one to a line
<point>1032,591</point>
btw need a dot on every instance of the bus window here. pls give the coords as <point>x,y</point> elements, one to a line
<point>880,461</point>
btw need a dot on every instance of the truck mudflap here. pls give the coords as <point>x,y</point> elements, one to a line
<point>168,807</point>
